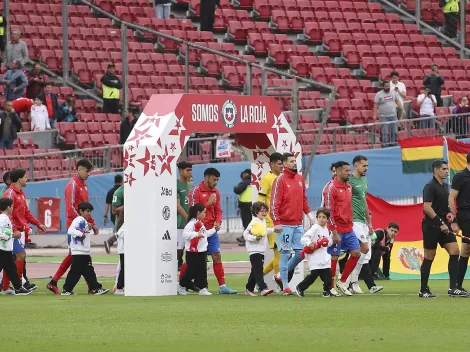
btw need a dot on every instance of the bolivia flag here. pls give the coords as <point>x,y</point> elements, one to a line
<point>457,156</point>
<point>417,154</point>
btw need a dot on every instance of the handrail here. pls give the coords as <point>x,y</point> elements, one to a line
<point>62,152</point>
<point>204,48</point>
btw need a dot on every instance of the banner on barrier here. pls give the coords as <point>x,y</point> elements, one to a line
<point>49,213</point>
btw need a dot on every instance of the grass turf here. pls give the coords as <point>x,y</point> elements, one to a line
<point>389,321</point>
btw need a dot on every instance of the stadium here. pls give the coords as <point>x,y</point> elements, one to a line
<point>271,154</point>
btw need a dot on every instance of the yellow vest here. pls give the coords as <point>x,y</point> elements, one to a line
<point>451,6</point>
<point>110,93</point>
<point>2,29</point>
<point>246,196</point>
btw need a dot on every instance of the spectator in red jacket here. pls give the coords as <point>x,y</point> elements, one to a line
<point>339,201</point>
<point>288,204</point>
<point>207,194</point>
<point>36,82</point>
<point>76,192</point>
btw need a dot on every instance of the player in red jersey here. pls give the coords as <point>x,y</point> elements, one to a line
<point>76,192</point>
<point>20,218</point>
<point>207,194</point>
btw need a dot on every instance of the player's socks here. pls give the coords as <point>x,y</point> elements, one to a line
<point>334,263</point>
<point>219,273</point>
<point>183,270</point>
<point>283,271</point>
<point>463,263</point>
<point>425,271</point>
<point>268,267</point>
<point>63,267</point>
<point>350,265</point>
<point>354,277</point>
<point>453,268</point>
<point>19,268</point>
<point>277,257</point>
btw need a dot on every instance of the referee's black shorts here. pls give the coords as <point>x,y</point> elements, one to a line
<point>432,235</point>
<point>463,220</point>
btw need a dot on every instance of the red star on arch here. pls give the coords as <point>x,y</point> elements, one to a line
<point>180,130</point>
<point>166,160</point>
<point>153,120</point>
<point>284,143</point>
<point>129,179</point>
<point>291,150</point>
<point>255,178</point>
<point>140,135</point>
<point>257,152</point>
<point>145,161</point>
<point>259,164</point>
<point>128,159</point>
<point>172,147</point>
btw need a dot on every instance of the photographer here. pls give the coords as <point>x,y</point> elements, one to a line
<point>382,248</point>
<point>435,82</point>
<point>399,88</point>
<point>426,102</point>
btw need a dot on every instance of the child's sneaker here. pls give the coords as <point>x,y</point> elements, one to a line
<point>330,294</point>
<point>287,292</point>
<point>375,289</point>
<point>299,292</point>
<point>119,292</point>
<point>250,293</point>
<point>67,293</point>
<point>9,291</point>
<point>334,292</point>
<point>204,292</point>
<point>266,292</point>
<point>23,292</point>
<point>100,291</point>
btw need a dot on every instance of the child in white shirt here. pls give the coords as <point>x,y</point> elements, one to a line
<point>6,247</point>
<point>39,116</point>
<point>317,239</point>
<point>256,240</point>
<point>120,250</point>
<point>80,247</point>
<point>196,253</point>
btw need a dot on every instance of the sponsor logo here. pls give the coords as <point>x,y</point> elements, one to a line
<point>229,113</point>
<point>166,257</point>
<point>166,191</point>
<point>166,236</point>
<point>166,212</point>
<point>50,202</point>
<point>165,279</point>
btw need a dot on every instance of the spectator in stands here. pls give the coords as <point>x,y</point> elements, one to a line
<point>163,8</point>
<point>49,99</point>
<point>111,86</point>
<point>68,112</point>
<point>398,87</point>
<point>207,16</point>
<point>39,116</point>
<point>386,102</point>
<point>3,25</point>
<point>451,17</point>
<point>435,82</point>
<point>15,81</point>
<point>16,49</point>
<point>10,124</point>
<point>126,127</point>
<point>36,82</point>
<point>459,124</point>
<point>427,103</point>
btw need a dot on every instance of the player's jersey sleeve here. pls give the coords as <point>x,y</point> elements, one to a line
<point>331,205</point>
<point>428,193</point>
<point>30,217</point>
<point>70,200</point>
<point>9,193</point>
<point>276,200</point>
<point>265,186</point>
<point>218,209</point>
<point>194,196</point>
<point>118,198</point>
<point>109,197</point>
<point>457,182</point>
<point>306,207</point>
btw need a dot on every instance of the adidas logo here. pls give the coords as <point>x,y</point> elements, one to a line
<point>166,236</point>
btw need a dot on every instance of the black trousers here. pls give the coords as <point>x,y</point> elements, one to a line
<point>325,276</point>
<point>366,275</point>
<point>374,263</point>
<point>81,266</point>
<point>256,275</point>
<point>111,106</point>
<point>207,14</point>
<point>196,270</point>
<point>120,283</point>
<point>245,213</point>
<point>7,264</point>
<point>450,24</point>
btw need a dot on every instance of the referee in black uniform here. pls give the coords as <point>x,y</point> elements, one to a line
<point>435,230</point>
<point>460,194</point>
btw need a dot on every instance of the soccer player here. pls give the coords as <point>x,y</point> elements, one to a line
<point>339,201</point>
<point>435,230</point>
<point>76,192</point>
<point>183,186</point>
<point>20,217</point>
<point>288,202</point>
<point>118,181</point>
<point>264,196</point>
<point>207,194</point>
<point>362,225</point>
<point>460,194</point>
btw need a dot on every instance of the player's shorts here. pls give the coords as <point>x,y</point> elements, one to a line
<point>432,235</point>
<point>289,238</point>
<point>463,220</point>
<point>349,242</point>
<point>362,233</point>
<point>18,244</point>
<point>213,244</point>
<point>179,239</point>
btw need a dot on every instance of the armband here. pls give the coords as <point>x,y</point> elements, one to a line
<point>438,221</point>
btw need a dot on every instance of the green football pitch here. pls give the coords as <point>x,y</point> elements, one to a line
<point>393,320</point>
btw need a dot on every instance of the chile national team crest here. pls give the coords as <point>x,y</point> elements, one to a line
<point>229,113</point>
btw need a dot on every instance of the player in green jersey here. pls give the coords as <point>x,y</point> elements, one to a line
<point>362,225</point>
<point>183,186</point>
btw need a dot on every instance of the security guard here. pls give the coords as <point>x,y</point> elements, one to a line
<point>435,230</point>
<point>111,86</point>
<point>451,17</point>
<point>3,25</point>
<point>460,194</point>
